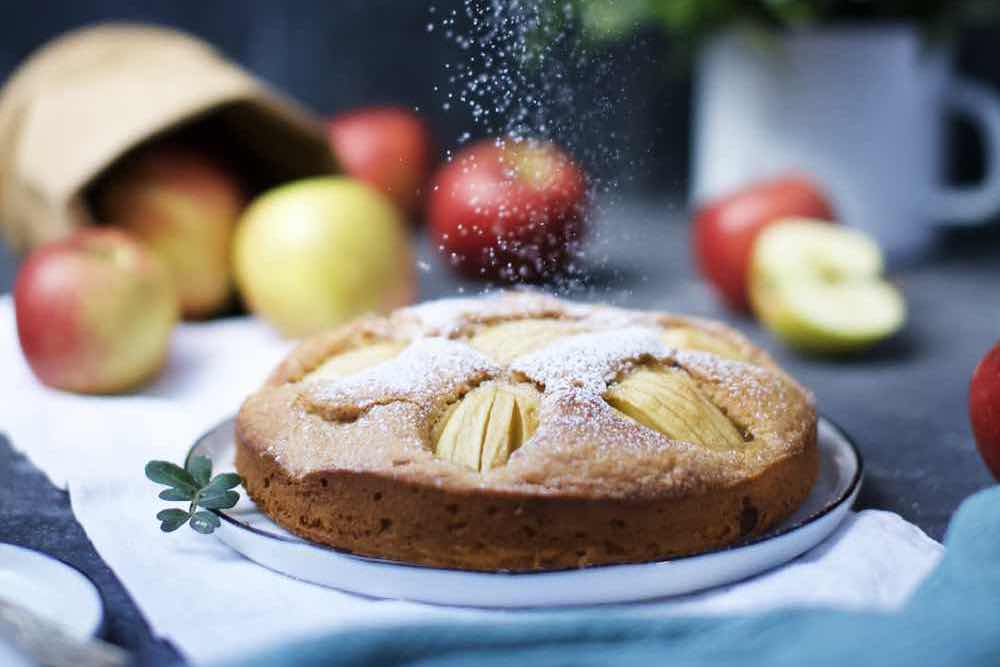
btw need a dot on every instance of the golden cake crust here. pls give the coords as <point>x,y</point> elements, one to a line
<point>350,461</point>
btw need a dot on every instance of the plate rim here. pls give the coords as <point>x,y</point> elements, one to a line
<point>101,627</point>
<point>848,493</point>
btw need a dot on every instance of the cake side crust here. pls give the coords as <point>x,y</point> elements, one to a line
<point>375,515</point>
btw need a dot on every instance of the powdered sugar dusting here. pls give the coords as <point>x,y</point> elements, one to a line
<point>426,371</point>
<point>590,360</point>
<point>581,411</point>
<point>714,366</point>
<point>737,378</point>
<point>610,317</point>
<point>445,317</point>
<point>751,385</point>
<point>585,439</point>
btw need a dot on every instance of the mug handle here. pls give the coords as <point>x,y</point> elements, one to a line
<point>972,205</point>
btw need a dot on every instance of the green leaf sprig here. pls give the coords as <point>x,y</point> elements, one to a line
<point>193,483</point>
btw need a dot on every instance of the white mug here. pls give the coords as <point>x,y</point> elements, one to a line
<point>860,109</point>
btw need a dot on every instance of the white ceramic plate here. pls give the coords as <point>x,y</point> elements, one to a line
<point>51,589</point>
<point>253,534</point>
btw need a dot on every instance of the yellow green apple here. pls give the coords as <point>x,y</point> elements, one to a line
<point>94,312</point>
<point>184,205</point>
<point>819,287</point>
<point>315,253</point>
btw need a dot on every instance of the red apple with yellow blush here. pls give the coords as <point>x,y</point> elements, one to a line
<point>184,205</point>
<point>389,148</point>
<point>94,312</point>
<point>511,211</point>
<point>725,229</point>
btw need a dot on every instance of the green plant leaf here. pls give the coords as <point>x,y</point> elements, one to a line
<point>218,501</point>
<point>612,20</point>
<point>210,517</point>
<point>170,514</point>
<point>171,474</point>
<point>172,519</point>
<point>204,522</point>
<point>196,485</point>
<point>224,482</point>
<point>200,468</point>
<point>176,494</point>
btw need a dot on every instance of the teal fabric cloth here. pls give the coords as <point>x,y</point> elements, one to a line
<point>953,619</point>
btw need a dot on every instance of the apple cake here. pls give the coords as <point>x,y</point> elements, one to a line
<point>523,432</point>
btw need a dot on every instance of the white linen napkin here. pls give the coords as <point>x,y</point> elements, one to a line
<point>212,603</point>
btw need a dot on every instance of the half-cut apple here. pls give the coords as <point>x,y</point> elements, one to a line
<point>820,287</point>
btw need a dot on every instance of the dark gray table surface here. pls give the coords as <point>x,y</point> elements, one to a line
<point>904,403</point>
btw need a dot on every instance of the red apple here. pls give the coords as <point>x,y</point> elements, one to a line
<point>725,229</point>
<point>387,147</point>
<point>511,211</point>
<point>184,205</point>
<point>94,312</point>
<point>984,408</point>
